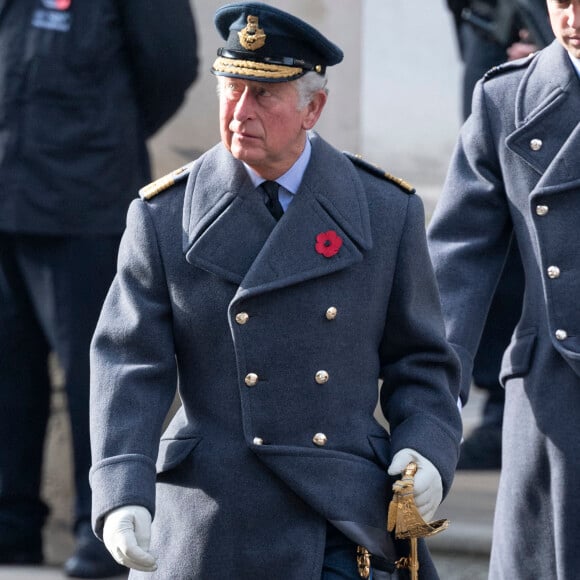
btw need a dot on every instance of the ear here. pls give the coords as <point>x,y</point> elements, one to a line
<point>314,110</point>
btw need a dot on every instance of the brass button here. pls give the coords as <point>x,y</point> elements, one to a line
<point>331,313</point>
<point>258,441</point>
<point>553,272</point>
<point>251,379</point>
<point>242,317</point>
<point>542,210</point>
<point>561,334</point>
<point>536,144</point>
<point>321,377</point>
<point>320,439</point>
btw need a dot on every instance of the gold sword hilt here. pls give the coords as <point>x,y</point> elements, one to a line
<point>406,521</point>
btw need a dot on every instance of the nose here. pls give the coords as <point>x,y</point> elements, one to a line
<point>244,108</point>
<point>573,14</point>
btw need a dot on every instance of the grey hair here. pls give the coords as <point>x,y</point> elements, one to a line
<point>308,85</point>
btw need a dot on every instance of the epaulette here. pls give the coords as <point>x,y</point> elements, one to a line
<point>165,182</point>
<point>376,170</point>
<point>508,66</point>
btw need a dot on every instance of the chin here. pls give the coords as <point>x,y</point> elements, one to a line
<point>243,154</point>
<point>238,154</point>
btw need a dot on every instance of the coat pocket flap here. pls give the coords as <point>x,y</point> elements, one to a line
<point>173,451</point>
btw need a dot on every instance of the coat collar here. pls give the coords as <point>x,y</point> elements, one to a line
<point>548,109</point>
<point>229,231</point>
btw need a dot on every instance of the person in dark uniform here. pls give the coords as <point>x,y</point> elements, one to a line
<point>273,281</point>
<point>82,86</point>
<point>489,33</point>
<point>515,175</point>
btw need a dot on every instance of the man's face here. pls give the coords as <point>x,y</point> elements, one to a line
<point>260,123</point>
<point>565,20</point>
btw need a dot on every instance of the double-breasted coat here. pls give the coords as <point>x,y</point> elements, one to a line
<point>277,351</point>
<point>516,173</point>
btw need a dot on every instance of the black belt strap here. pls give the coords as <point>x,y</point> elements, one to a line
<point>379,563</point>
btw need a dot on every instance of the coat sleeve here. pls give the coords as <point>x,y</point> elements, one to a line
<point>133,373</point>
<point>470,234</point>
<point>419,369</point>
<point>161,41</point>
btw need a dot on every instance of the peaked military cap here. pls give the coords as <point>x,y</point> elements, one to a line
<point>264,43</point>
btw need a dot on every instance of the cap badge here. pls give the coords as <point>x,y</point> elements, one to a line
<point>252,37</point>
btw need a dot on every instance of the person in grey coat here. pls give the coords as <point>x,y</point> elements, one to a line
<point>515,175</point>
<point>275,315</point>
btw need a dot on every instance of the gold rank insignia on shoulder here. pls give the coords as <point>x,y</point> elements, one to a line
<point>165,182</point>
<point>376,170</point>
<point>252,37</point>
<point>400,182</point>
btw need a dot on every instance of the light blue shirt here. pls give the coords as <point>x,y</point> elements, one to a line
<point>575,63</point>
<point>290,181</point>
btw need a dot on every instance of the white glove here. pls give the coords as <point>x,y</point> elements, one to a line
<point>126,533</point>
<point>428,487</point>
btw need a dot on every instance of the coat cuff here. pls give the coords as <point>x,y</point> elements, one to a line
<point>118,481</point>
<point>439,445</point>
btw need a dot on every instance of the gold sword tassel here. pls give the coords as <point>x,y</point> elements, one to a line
<point>406,521</point>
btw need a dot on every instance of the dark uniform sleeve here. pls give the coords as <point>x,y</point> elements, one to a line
<point>161,41</point>
<point>456,6</point>
<point>536,20</point>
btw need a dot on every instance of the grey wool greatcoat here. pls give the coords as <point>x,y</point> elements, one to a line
<point>214,295</point>
<point>516,172</point>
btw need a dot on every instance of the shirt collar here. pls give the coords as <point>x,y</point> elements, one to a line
<point>292,179</point>
<point>575,63</point>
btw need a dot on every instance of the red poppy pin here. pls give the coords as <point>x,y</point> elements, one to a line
<point>328,243</point>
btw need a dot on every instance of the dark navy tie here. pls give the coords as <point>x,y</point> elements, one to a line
<point>272,201</point>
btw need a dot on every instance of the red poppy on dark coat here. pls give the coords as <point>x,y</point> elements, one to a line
<point>328,243</point>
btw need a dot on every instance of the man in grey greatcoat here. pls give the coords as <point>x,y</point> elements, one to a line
<point>515,174</point>
<point>275,313</point>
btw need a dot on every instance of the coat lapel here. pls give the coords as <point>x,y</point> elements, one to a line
<point>225,222</point>
<point>229,231</point>
<point>331,198</point>
<point>549,87</point>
